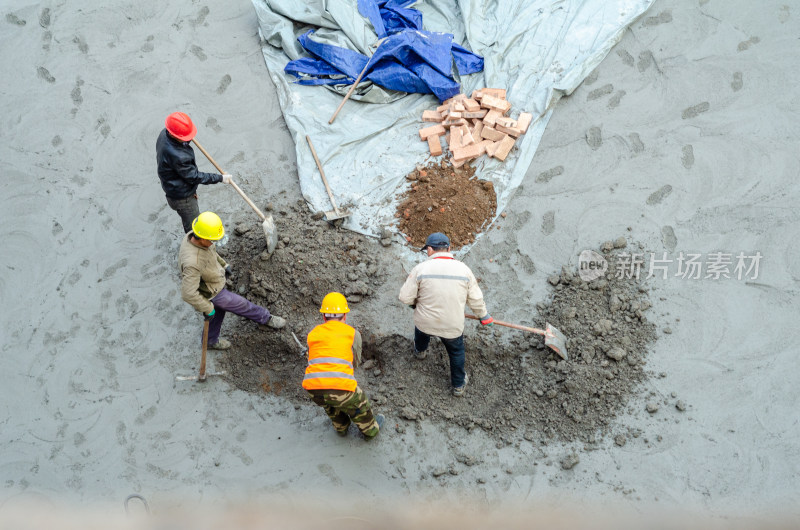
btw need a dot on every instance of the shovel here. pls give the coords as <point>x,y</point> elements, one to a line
<point>553,338</point>
<point>336,213</point>
<point>202,375</point>
<point>268,224</point>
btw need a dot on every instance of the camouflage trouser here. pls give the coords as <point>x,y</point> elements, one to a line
<point>342,406</point>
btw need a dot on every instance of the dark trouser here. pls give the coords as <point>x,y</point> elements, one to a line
<point>227,301</point>
<point>342,406</point>
<point>188,210</point>
<point>455,350</point>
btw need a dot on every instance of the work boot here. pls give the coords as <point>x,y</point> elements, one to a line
<point>342,433</point>
<point>274,322</point>
<point>419,355</point>
<point>221,344</point>
<point>379,418</point>
<point>458,391</point>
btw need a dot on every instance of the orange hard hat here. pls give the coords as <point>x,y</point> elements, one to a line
<point>180,126</point>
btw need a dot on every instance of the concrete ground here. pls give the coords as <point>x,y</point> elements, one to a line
<point>684,140</point>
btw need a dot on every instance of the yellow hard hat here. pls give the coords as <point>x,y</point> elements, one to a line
<point>208,225</point>
<point>334,304</point>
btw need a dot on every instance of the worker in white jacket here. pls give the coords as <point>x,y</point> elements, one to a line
<point>438,290</point>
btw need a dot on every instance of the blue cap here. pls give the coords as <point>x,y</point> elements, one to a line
<point>436,240</point>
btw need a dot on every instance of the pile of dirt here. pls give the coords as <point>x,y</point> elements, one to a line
<point>448,200</point>
<point>518,388</point>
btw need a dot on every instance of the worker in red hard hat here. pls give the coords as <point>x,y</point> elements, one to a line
<point>177,168</point>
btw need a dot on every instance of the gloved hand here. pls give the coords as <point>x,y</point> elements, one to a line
<point>209,316</point>
<point>487,320</point>
<point>226,179</point>
<point>228,270</point>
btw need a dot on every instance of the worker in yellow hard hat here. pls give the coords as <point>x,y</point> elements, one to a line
<point>203,274</point>
<point>334,350</point>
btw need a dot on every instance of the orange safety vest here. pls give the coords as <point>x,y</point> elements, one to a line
<point>330,357</point>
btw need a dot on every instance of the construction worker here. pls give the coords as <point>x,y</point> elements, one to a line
<point>438,290</point>
<point>203,274</point>
<point>334,350</point>
<point>177,168</point>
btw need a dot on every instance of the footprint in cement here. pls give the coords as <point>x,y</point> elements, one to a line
<point>737,82</point>
<point>44,17</point>
<point>784,14</point>
<point>704,2</point>
<point>744,45</point>
<point>688,156</point>
<point>594,137</point>
<point>76,96</point>
<point>212,123</point>
<point>224,84</point>
<point>148,46</point>
<point>105,129</point>
<point>44,73</point>
<point>548,222</point>
<point>46,38</point>
<point>645,60</point>
<point>56,141</point>
<point>198,52</point>
<point>636,143</point>
<point>626,57</point>
<point>238,157</point>
<point>112,270</point>
<point>600,92</point>
<point>82,46</point>
<point>11,18</point>
<point>591,78</point>
<point>657,196</point>
<point>328,471</point>
<point>662,18</point>
<point>547,176</point>
<point>668,238</point>
<point>615,99</point>
<point>57,228</point>
<point>201,16</point>
<point>694,111</point>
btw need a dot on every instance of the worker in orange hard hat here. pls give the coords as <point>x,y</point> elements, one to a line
<point>334,350</point>
<point>177,168</point>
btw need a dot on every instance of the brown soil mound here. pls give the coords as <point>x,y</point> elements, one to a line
<point>448,200</point>
<point>518,388</point>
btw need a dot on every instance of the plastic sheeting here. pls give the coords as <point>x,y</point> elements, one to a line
<point>539,50</point>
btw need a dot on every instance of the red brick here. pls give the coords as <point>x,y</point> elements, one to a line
<point>491,134</point>
<point>456,134</point>
<point>435,145</point>
<point>476,132</point>
<point>457,122</point>
<point>432,116</point>
<point>466,136</point>
<point>503,148</point>
<point>471,105</point>
<point>457,164</point>
<point>513,131</point>
<point>479,114</point>
<point>493,103</point>
<point>433,130</point>
<point>491,147</point>
<point>477,95</point>
<point>499,93</point>
<point>457,97</point>
<point>459,107</point>
<point>454,115</point>
<point>491,117</point>
<point>465,153</point>
<point>524,121</point>
<point>506,122</point>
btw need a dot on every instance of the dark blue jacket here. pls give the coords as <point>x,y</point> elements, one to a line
<point>177,168</point>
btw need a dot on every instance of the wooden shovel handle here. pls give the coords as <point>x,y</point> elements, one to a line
<point>202,375</point>
<point>322,172</point>
<point>235,186</point>
<point>515,326</point>
<point>349,93</point>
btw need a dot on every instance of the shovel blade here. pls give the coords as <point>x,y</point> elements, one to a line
<point>556,341</point>
<point>335,215</point>
<point>270,233</point>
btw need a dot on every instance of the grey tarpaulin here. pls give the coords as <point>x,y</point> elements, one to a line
<point>537,50</point>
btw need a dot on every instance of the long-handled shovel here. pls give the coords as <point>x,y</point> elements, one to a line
<point>553,338</point>
<point>268,224</point>
<point>202,375</point>
<point>336,213</point>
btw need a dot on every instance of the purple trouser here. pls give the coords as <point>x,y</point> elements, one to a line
<point>227,301</point>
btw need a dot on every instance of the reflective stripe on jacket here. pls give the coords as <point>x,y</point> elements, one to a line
<point>330,357</point>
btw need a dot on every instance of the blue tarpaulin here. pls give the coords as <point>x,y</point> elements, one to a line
<point>408,59</point>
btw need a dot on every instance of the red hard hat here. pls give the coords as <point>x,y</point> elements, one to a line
<point>180,126</point>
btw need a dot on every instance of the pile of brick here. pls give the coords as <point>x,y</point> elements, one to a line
<point>474,126</point>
